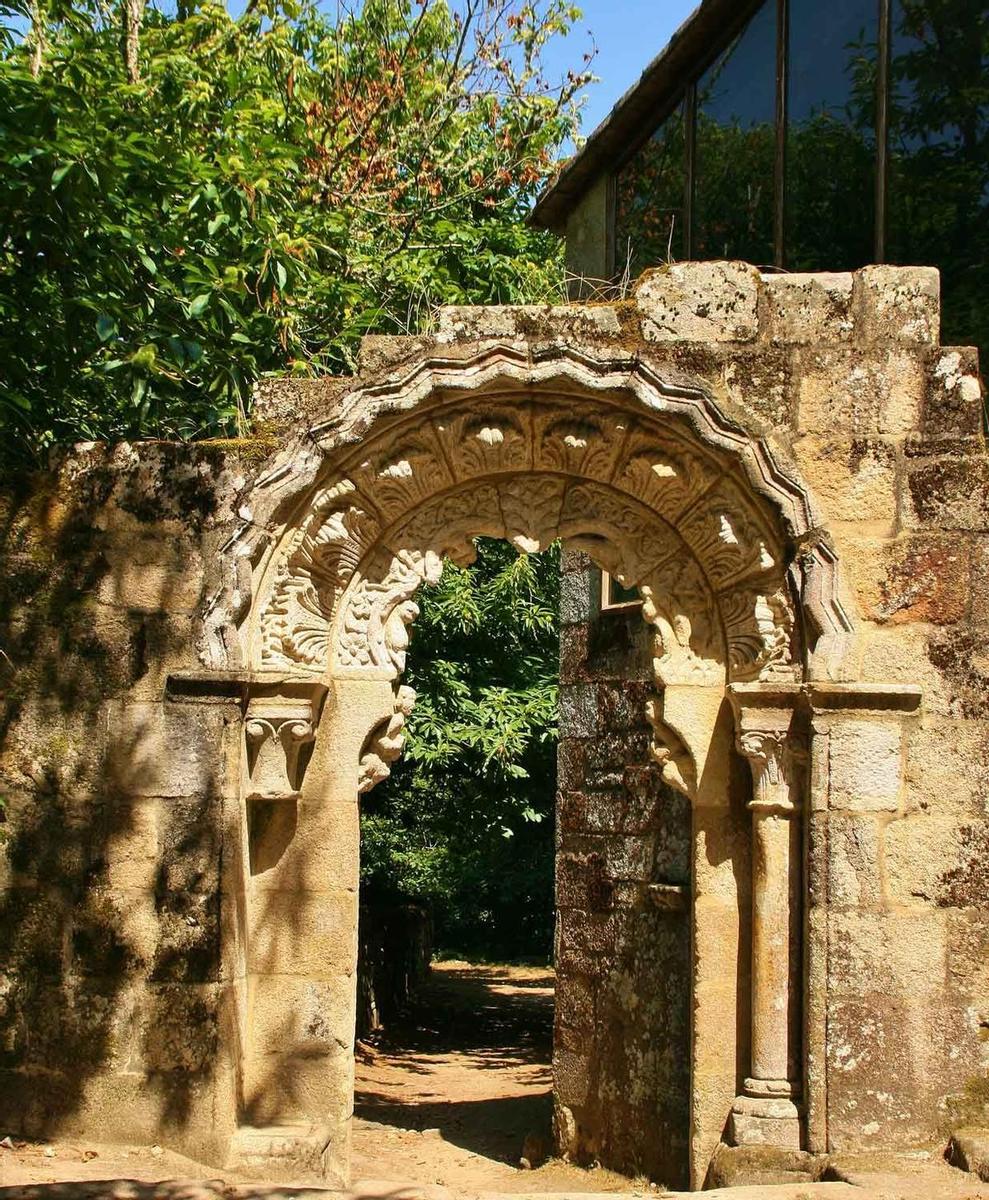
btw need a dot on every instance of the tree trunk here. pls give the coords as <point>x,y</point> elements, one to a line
<point>37,38</point>
<point>133,11</point>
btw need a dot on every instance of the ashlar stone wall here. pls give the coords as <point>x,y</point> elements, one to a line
<point>201,672</point>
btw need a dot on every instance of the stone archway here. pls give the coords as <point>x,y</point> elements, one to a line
<point>650,479</point>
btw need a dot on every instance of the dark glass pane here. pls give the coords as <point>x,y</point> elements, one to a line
<point>618,593</point>
<point>649,201</point>
<point>736,116</point>
<point>939,156</point>
<point>831,135</point>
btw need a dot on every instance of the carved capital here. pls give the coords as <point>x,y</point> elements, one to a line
<point>769,732</point>
<point>279,730</point>
<point>776,758</point>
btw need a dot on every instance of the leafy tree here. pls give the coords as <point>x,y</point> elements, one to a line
<point>464,824</point>
<point>191,201</point>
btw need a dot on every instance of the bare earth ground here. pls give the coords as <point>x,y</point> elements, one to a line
<point>449,1094</point>
<point>444,1102</point>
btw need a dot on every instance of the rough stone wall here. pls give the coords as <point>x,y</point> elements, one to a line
<point>127,893</point>
<point>117,856</point>
<point>622,1044</point>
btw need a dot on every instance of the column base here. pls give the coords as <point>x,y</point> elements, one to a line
<point>763,1167</point>
<point>766,1115</point>
<point>282,1153</point>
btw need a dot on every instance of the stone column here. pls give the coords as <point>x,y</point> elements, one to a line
<point>768,735</point>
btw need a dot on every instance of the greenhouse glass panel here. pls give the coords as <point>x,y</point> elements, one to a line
<point>831,134</point>
<point>649,203</point>
<point>735,149</point>
<point>939,155</point>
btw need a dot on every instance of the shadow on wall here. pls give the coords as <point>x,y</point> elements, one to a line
<point>109,909</point>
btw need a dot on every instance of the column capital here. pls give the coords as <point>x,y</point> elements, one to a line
<point>769,732</point>
<point>280,721</point>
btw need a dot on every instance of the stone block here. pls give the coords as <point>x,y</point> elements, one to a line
<point>758,387</point>
<point>853,480</point>
<point>293,1013</point>
<point>699,302</point>
<point>152,569</point>
<point>953,403</point>
<point>164,750</point>
<point>579,711</point>
<point>809,308</point>
<point>913,578</point>
<point>571,1078</point>
<point>295,933</point>
<point>862,393</point>
<point>573,652</point>
<point>180,1027</point>
<point>574,1004</point>
<point>948,493</point>
<point>294,1088</point>
<point>946,770</point>
<point>188,929</point>
<point>897,304</point>
<point>865,761</point>
<point>902,654</point>
<point>570,764</point>
<point>853,854</point>
<point>578,597</point>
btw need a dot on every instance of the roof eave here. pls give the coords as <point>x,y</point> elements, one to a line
<point>637,113</point>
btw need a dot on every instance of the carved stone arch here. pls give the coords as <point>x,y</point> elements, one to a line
<point>572,422</point>
<point>644,473</point>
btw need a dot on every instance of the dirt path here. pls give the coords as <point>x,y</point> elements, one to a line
<point>450,1094</point>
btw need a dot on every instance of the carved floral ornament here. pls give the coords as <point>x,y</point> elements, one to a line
<point>650,480</point>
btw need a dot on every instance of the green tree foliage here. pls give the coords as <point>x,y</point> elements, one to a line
<point>191,201</point>
<point>465,823</point>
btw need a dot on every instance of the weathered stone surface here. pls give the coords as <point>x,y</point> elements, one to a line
<point>699,302</point>
<point>791,471</point>
<point>861,391</point>
<point>866,765</point>
<point>897,304</point>
<point>809,308</point>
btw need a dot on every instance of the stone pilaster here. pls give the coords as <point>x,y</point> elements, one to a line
<point>769,735</point>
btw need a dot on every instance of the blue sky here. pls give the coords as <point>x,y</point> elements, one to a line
<point>628,35</point>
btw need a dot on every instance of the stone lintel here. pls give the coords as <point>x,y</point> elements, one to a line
<point>873,697</point>
<point>222,687</point>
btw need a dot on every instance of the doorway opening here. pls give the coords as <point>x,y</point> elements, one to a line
<point>455,989</point>
<point>460,846</point>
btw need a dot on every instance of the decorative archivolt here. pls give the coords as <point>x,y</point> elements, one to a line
<point>649,478</point>
<point>709,562</point>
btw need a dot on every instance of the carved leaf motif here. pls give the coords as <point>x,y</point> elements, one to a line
<point>321,557</point>
<point>636,539</point>
<point>401,474</point>
<point>668,475</point>
<point>530,505</point>
<point>488,442</point>
<point>578,440</point>
<point>759,629</point>
<point>729,537</point>
<point>681,606</point>
<point>378,610</point>
<point>448,526</point>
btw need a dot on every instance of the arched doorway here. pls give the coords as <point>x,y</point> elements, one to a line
<point>650,480</point>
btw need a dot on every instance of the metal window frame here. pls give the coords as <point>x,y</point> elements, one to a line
<point>606,605</point>
<point>687,97</point>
